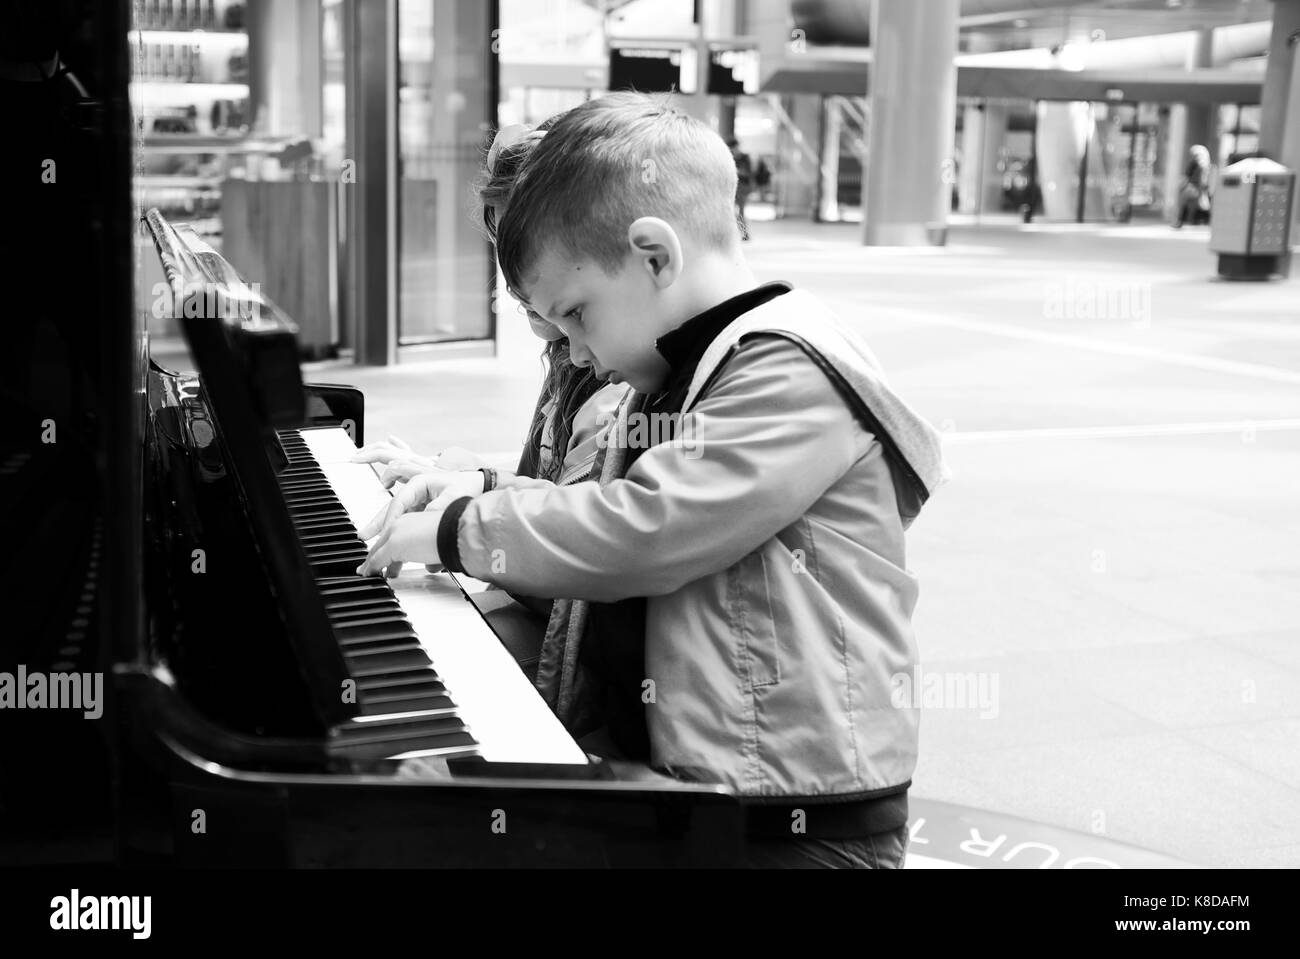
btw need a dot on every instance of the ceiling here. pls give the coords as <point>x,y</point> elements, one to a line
<point>988,25</point>
<point>1101,20</point>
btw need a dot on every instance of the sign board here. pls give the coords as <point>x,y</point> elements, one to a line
<point>652,68</point>
<point>733,71</point>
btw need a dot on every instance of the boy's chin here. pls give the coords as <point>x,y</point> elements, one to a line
<point>644,384</point>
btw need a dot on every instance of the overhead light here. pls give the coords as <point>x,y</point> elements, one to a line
<point>1020,24</point>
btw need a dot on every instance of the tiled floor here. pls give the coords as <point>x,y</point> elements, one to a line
<point>1120,545</point>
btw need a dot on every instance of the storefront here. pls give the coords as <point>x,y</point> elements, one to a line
<point>326,148</point>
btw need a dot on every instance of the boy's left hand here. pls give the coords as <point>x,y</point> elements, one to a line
<point>412,537</point>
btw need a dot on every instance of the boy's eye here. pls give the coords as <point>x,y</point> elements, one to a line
<point>574,314</point>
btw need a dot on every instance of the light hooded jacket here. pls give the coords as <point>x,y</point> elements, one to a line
<point>768,540</point>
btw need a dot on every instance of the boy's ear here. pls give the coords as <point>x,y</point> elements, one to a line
<point>657,248</point>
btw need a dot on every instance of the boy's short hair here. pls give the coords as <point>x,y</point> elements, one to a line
<point>603,165</point>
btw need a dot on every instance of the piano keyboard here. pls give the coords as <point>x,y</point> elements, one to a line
<point>432,678</point>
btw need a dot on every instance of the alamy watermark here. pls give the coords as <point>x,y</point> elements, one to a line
<point>644,430</point>
<point>75,912</point>
<point>923,689</point>
<point>1083,299</point>
<point>37,690</point>
<point>203,299</point>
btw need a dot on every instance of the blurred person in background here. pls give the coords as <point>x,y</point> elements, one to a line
<point>1194,194</point>
<point>744,183</point>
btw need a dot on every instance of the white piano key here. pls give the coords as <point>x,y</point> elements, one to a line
<point>502,709</point>
<point>355,484</point>
<point>330,445</point>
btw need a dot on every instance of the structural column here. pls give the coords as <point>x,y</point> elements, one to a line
<point>984,128</point>
<point>913,84</point>
<point>372,143</point>
<point>1279,125</point>
<point>284,72</point>
<point>1190,123</point>
<point>798,139</point>
<point>459,98</point>
<point>1202,118</point>
<point>997,117</point>
<point>1175,158</point>
<point>1277,106</point>
<point>973,136</point>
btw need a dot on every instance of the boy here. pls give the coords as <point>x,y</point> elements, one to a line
<point>765,537</point>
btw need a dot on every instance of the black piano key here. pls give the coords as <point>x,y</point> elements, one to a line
<point>385,688</point>
<point>365,611</point>
<point>370,707</point>
<point>334,567</point>
<point>324,525</point>
<point>318,550</point>
<point>315,504</point>
<point>313,497</point>
<point>361,664</point>
<point>452,746</point>
<point>317,536</point>
<point>354,600</point>
<point>364,589</point>
<point>357,553</point>
<point>381,622</point>
<point>400,636</point>
<point>379,645</point>
<point>304,484</point>
<point>376,646</point>
<point>345,583</point>
<point>403,730</point>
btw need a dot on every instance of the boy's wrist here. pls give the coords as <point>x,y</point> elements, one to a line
<point>449,534</point>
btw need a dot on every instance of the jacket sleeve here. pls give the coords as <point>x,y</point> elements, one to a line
<point>761,445</point>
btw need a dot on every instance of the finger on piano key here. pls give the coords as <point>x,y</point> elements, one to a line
<point>504,717</point>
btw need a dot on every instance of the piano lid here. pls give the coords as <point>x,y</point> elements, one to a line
<point>204,286</point>
<point>246,351</point>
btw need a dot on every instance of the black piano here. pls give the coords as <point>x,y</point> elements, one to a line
<point>278,709</point>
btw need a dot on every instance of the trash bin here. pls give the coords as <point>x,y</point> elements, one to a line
<point>1250,223</point>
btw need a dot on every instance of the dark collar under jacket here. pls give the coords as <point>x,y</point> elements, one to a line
<point>684,346</point>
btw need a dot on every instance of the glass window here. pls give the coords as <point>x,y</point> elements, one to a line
<point>445,114</point>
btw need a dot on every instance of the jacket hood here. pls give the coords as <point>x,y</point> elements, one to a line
<point>913,446</point>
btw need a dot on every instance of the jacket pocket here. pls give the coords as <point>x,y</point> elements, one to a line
<point>755,624</point>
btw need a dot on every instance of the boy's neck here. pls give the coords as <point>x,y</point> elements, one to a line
<point>712,279</point>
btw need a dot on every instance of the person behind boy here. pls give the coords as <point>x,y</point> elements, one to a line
<point>562,441</point>
<point>744,183</point>
<point>766,536</point>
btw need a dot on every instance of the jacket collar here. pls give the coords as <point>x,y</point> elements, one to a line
<point>686,344</point>
<point>805,319</point>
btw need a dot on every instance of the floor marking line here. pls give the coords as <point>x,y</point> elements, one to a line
<point>1101,432</point>
<point>1210,364</point>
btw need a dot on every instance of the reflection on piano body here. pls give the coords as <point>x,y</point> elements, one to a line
<point>284,696</point>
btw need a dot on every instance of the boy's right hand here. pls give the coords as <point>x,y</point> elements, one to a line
<point>436,486</point>
<point>415,495</point>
